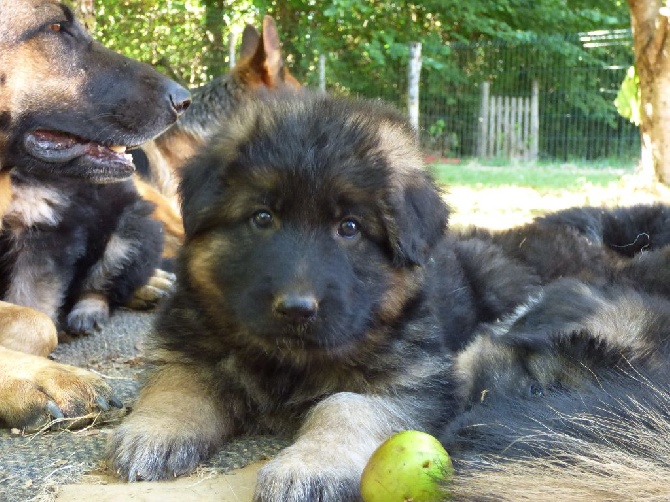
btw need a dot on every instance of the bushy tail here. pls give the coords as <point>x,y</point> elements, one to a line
<point>609,441</point>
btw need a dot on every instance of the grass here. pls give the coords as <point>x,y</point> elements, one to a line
<point>538,177</point>
<point>504,195</point>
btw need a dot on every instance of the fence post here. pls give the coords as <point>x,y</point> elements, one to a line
<point>483,119</point>
<point>232,42</point>
<point>493,114</point>
<point>526,128</point>
<point>413,78</point>
<point>513,133</point>
<point>535,121</point>
<point>322,73</point>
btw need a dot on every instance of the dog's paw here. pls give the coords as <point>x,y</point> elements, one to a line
<point>152,448</point>
<point>159,286</point>
<point>296,475</point>
<point>88,315</point>
<point>36,392</point>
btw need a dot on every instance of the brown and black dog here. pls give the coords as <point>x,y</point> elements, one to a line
<point>259,69</point>
<point>69,108</point>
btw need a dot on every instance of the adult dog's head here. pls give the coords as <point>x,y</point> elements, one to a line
<point>68,105</point>
<point>308,222</point>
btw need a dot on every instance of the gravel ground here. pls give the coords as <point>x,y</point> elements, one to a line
<point>33,466</point>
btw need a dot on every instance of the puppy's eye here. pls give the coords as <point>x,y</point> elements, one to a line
<point>348,228</point>
<point>56,27</point>
<point>262,219</point>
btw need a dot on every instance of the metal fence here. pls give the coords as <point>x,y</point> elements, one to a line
<point>576,78</point>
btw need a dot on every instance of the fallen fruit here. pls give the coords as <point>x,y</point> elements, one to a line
<point>409,466</point>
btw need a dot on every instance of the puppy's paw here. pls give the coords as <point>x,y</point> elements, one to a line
<point>159,286</point>
<point>299,473</point>
<point>34,391</point>
<point>88,315</point>
<point>151,448</point>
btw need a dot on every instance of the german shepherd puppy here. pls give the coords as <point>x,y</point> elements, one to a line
<point>594,422</point>
<point>320,294</point>
<point>76,250</point>
<point>260,69</point>
<point>68,110</point>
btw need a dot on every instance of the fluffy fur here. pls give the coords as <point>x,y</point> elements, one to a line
<point>320,295</point>
<point>260,69</point>
<point>76,251</point>
<point>68,109</point>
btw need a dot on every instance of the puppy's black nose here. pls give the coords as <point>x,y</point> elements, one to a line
<point>296,308</point>
<point>180,98</point>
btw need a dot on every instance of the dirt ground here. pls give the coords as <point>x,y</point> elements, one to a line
<point>236,486</point>
<point>493,208</point>
<point>504,207</point>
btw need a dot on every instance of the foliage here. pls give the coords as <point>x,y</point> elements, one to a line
<point>628,99</point>
<point>359,37</point>
<point>176,36</point>
<point>365,45</point>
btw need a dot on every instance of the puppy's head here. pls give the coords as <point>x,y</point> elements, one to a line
<point>308,220</point>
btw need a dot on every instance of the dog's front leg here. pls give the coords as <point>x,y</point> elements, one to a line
<point>333,446</point>
<point>178,421</point>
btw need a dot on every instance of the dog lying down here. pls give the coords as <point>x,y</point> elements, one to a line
<point>321,296</point>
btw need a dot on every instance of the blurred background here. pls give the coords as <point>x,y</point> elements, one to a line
<point>500,81</point>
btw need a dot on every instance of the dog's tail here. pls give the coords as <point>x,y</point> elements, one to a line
<point>610,441</point>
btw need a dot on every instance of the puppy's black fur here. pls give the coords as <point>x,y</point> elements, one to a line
<point>625,230</point>
<point>76,250</point>
<point>321,295</point>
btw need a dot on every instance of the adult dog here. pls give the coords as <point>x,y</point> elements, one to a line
<point>320,294</point>
<point>68,109</point>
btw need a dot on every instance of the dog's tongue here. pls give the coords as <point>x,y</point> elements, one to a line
<point>59,147</point>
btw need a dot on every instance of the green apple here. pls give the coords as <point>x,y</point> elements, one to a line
<point>409,466</point>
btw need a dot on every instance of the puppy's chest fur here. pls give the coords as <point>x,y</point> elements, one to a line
<point>273,386</point>
<point>31,244</point>
<point>35,205</point>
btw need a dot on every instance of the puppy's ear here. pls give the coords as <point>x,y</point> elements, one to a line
<point>418,222</point>
<point>200,188</point>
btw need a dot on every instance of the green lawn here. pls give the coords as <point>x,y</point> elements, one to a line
<point>539,177</point>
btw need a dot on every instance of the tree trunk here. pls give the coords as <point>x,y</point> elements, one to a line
<point>652,61</point>
<point>216,52</point>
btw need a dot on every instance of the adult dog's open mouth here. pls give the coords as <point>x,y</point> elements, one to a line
<point>57,147</point>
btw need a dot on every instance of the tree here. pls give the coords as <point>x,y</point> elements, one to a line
<point>215,25</point>
<point>651,43</point>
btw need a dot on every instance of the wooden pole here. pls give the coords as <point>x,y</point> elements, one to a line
<point>483,119</point>
<point>535,121</point>
<point>413,79</point>
<point>232,42</point>
<point>512,129</point>
<point>493,114</point>
<point>509,117</point>
<point>500,127</point>
<point>526,128</point>
<point>86,12</point>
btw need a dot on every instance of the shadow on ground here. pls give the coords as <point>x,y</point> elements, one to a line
<point>34,467</point>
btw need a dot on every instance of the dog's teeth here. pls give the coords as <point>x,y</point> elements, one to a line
<point>118,148</point>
